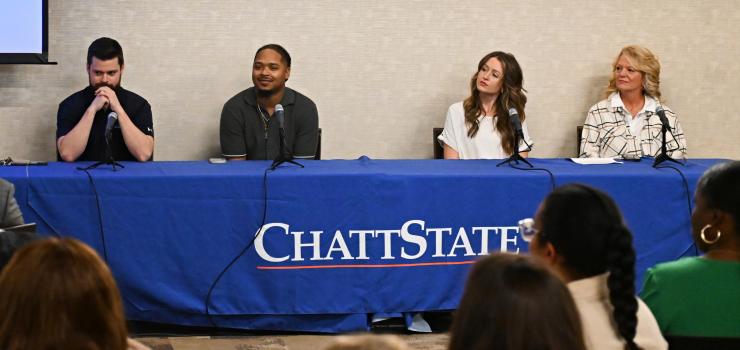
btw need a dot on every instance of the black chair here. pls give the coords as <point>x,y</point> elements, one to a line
<point>702,343</point>
<point>318,148</point>
<point>579,133</point>
<point>13,238</point>
<point>438,150</point>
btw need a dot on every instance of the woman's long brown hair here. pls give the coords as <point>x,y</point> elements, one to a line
<point>512,95</point>
<point>58,291</point>
<point>513,302</point>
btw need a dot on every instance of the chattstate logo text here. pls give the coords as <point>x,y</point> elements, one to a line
<point>412,241</point>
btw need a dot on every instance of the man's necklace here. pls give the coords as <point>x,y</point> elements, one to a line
<point>262,116</point>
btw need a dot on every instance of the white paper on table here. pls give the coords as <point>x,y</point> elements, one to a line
<point>592,161</point>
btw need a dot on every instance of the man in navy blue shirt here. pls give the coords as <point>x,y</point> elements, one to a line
<point>82,117</point>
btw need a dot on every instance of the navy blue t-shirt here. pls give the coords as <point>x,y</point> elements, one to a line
<point>73,108</point>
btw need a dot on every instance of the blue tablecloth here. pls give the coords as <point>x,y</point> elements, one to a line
<point>346,238</point>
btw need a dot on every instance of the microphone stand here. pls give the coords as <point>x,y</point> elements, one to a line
<point>515,156</point>
<point>663,156</point>
<point>108,157</point>
<point>284,156</point>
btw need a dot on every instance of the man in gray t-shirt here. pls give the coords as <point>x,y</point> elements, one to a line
<point>248,129</point>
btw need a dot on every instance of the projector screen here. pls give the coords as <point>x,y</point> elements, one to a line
<point>23,31</point>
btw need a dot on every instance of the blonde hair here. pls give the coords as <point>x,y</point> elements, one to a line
<point>368,342</point>
<point>644,61</point>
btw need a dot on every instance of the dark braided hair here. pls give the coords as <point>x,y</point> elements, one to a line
<point>620,260</point>
<point>586,229</point>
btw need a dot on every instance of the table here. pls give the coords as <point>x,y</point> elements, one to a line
<point>343,238</point>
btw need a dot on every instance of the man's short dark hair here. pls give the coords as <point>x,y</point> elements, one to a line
<point>105,49</point>
<point>285,56</point>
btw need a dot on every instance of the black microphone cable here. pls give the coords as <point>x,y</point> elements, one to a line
<point>549,173</point>
<point>100,213</point>
<point>207,301</point>
<point>688,199</point>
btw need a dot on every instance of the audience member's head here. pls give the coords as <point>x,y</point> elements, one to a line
<point>514,302</point>
<point>368,342</point>
<point>55,290</point>
<point>717,213</point>
<point>580,232</point>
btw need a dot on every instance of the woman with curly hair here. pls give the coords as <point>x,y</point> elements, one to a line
<point>480,127</point>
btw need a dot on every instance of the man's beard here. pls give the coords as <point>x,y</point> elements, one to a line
<point>265,93</point>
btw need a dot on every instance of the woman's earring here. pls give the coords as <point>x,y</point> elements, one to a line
<point>704,238</point>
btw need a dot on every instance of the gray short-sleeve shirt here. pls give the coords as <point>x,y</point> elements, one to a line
<point>244,133</point>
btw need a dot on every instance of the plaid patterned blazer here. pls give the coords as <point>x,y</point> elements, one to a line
<point>606,134</point>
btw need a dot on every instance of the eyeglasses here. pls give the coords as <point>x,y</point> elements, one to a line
<point>526,229</point>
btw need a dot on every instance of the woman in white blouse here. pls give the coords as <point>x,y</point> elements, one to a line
<point>480,127</point>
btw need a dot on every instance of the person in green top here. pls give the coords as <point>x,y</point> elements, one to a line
<point>700,296</point>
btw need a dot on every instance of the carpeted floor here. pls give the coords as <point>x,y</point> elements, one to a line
<point>431,341</point>
<point>174,337</point>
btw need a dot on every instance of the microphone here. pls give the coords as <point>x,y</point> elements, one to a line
<point>285,155</point>
<point>666,128</point>
<point>282,156</point>
<point>661,114</point>
<point>516,122</point>
<point>280,114</point>
<point>112,119</point>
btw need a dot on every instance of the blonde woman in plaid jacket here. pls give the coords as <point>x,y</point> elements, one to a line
<point>625,124</point>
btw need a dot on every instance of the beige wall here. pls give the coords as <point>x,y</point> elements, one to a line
<point>381,72</point>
